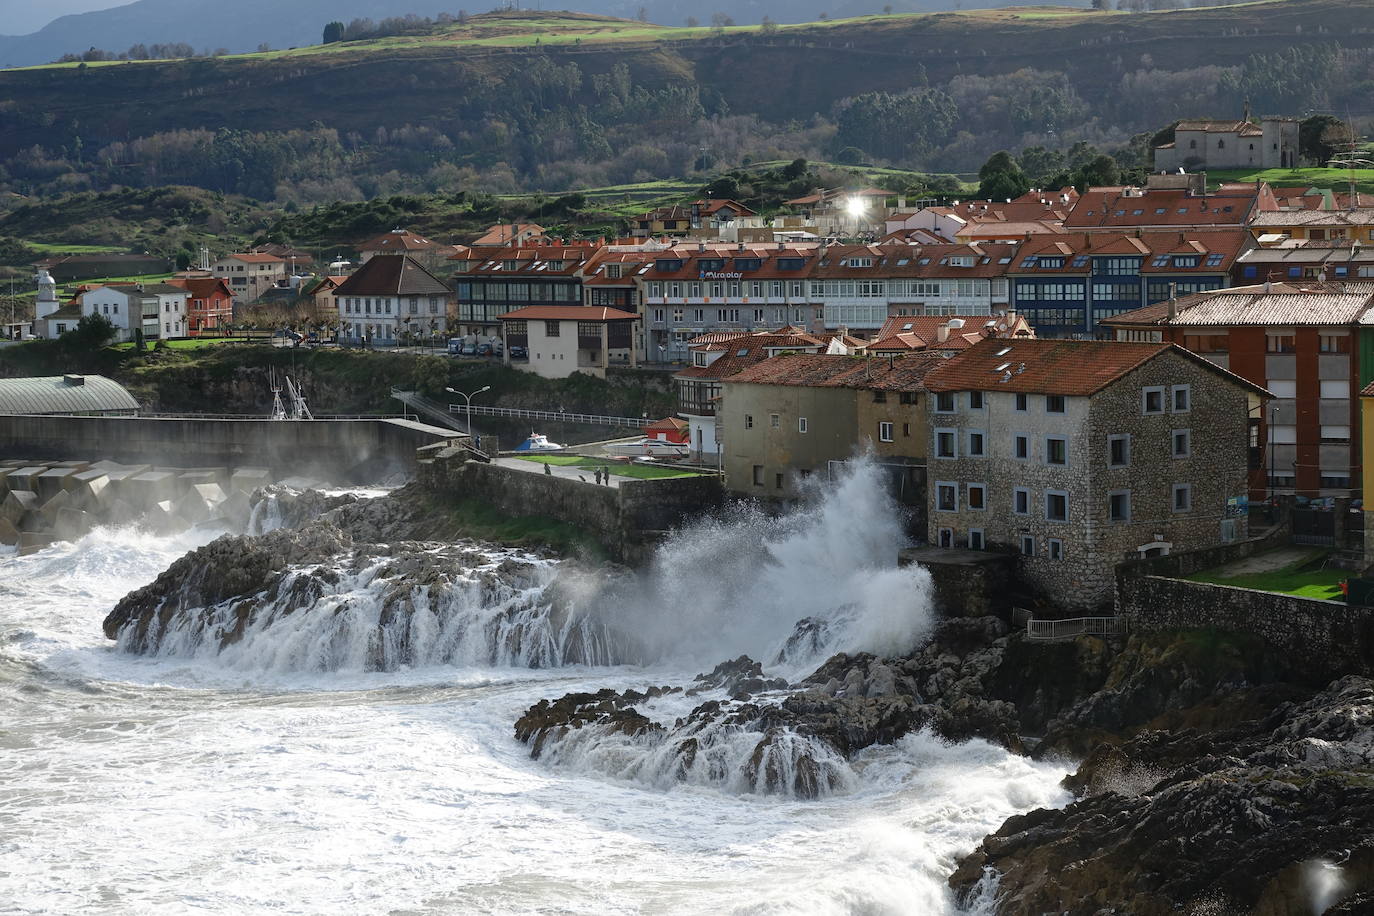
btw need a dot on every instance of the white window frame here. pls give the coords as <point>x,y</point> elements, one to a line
<point>1020,491</point>
<point>953,439</point>
<point>1114,438</point>
<point>943,535</point>
<point>1049,494</point>
<point>884,431</point>
<point>1187,392</point>
<point>1027,545</point>
<point>801,424</point>
<point>968,500</point>
<point>981,400</point>
<point>1145,393</point>
<point>1063,402</point>
<point>1054,548</point>
<point>774,421</point>
<point>1184,488</point>
<point>953,488</point>
<point>940,399</point>
<point>1187,435</point>
<point>982,451</point>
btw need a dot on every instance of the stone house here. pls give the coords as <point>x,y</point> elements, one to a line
<point>792,417</point>
<point>1077,455</point>
<point>1207,144</point>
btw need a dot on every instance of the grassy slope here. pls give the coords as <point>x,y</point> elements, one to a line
<point>1300,578</point>
<point>790,73</point>
<point>1336,179</point>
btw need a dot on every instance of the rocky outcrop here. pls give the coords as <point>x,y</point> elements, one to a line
<point>1258,818</point>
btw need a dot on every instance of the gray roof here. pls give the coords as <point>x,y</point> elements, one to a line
<point>1279,307</point>
<point>62,394</point>
<point>148,288</point>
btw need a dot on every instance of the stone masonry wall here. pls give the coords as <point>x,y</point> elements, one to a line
<point>1324,638</point>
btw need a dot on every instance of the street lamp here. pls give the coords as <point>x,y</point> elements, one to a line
<point>467,401</point>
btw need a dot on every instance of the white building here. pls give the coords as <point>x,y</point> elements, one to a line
<point>157,309</point>
<point>563,339</point>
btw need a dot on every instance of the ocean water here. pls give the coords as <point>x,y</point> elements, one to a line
<point>260,780</point>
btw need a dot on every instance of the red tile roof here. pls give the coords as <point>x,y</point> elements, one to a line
<point>567,313</point>
<point>400,241</point>
<point>1041,366</point>
<point>504,233</point>
<point>1133,207</point>
<point>821,370</point>
<point>392,275</point>
<point>202,287</point>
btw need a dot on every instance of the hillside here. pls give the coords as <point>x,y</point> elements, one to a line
<point>557,101</point>
<point>245,24</point>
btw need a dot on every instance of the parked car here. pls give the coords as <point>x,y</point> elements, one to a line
<point>468,350</point>
<point>519,352</point>
<point>485,349</point>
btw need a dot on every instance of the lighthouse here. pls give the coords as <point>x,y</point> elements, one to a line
<point>47,302</point>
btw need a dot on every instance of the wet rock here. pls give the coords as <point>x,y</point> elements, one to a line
<point>740,678</point>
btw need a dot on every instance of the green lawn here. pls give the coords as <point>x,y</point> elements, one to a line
<point>618,468</point>
<point>188,343</point>
<point>1302,578</point>
<point>64,248</point>
<point>1335,179</point>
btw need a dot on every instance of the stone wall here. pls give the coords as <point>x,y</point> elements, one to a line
<point>967,583</point>
<point>1323,638</point>
<point>343,451</point>
<point>628,521</point>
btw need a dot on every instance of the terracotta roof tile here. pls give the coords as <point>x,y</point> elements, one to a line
<point>1041,366</point>
<point>820,370</point>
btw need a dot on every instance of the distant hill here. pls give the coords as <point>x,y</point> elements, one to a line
<point>511,101</point>
<point>243,25</point>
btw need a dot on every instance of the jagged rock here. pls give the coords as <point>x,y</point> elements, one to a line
<point>608,710</point>
<point>740,678</point>
<point>1225,817</point>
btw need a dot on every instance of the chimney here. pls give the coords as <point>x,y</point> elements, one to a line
<point>1173,301</point>
<point>942,333</point>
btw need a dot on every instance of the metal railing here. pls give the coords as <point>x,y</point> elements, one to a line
<point>186,415</point>
<point>555,415</point>
<point>431,409</point>
<point>1054,630</point>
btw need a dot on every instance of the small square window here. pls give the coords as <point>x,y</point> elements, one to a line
<point>946,443</point>
<point>1152,401</point>
<point>1181,397</point>
<point>884,432</point>
<point>748,421</point>
<point>976,540</point>
<point>947,497</point>
<point>1027,545</point>
<point>1183,497</point>
<point>1056,450</point>
<point>975,400</point>
<point>1055,548</point>
<point>777,481</point>
<point>944,402</point>
<point>977,496</point>
<point>1119,506</point>
<point>1056,506</point>
<point>1054,403</point>
<point>1020,446</point>
<point>1119,451</point>
<point>774,421</point>
<point>1021,402</point>
<point>976,443</point>
<point>1182,443</point>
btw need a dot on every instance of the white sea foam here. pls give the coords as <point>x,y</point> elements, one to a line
<point>250,780</point>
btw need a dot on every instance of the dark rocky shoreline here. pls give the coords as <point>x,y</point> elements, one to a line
<point>1216,774</point>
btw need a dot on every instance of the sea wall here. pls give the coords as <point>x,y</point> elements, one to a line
<point>628,521</point>
<point>343,451</point>
<point>1321,638</point>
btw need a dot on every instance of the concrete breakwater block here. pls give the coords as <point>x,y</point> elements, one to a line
<point>236,508</point>
<point>120,513</point>
<point>118,477</point>
<point>149,488</point>
<point>34,541</point>
<point>194,476</point>
<point>71,524</point>
<point>63,500</point>
<point>162,518</point>
<point>191,507</point>
<point>9,535</point>
<point>54,481</point>
<point>246,480</point>
<point>17,504</point>
<point>25,478</point>
<point>212,493</point>
<point>75,465</point>
<point>90,490</point>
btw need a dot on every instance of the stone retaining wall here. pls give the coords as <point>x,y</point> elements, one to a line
<point>1323,638</point>
<point>628,520</point>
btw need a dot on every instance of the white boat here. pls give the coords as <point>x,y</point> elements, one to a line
<point>538,442</point>
<point>654,447</point>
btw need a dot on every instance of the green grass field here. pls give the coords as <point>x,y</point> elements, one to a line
<point>618,468</point>
<point>1336,179</point>
<point>63,248</point>
<point>188,343</point>
<point>1302,578</point>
